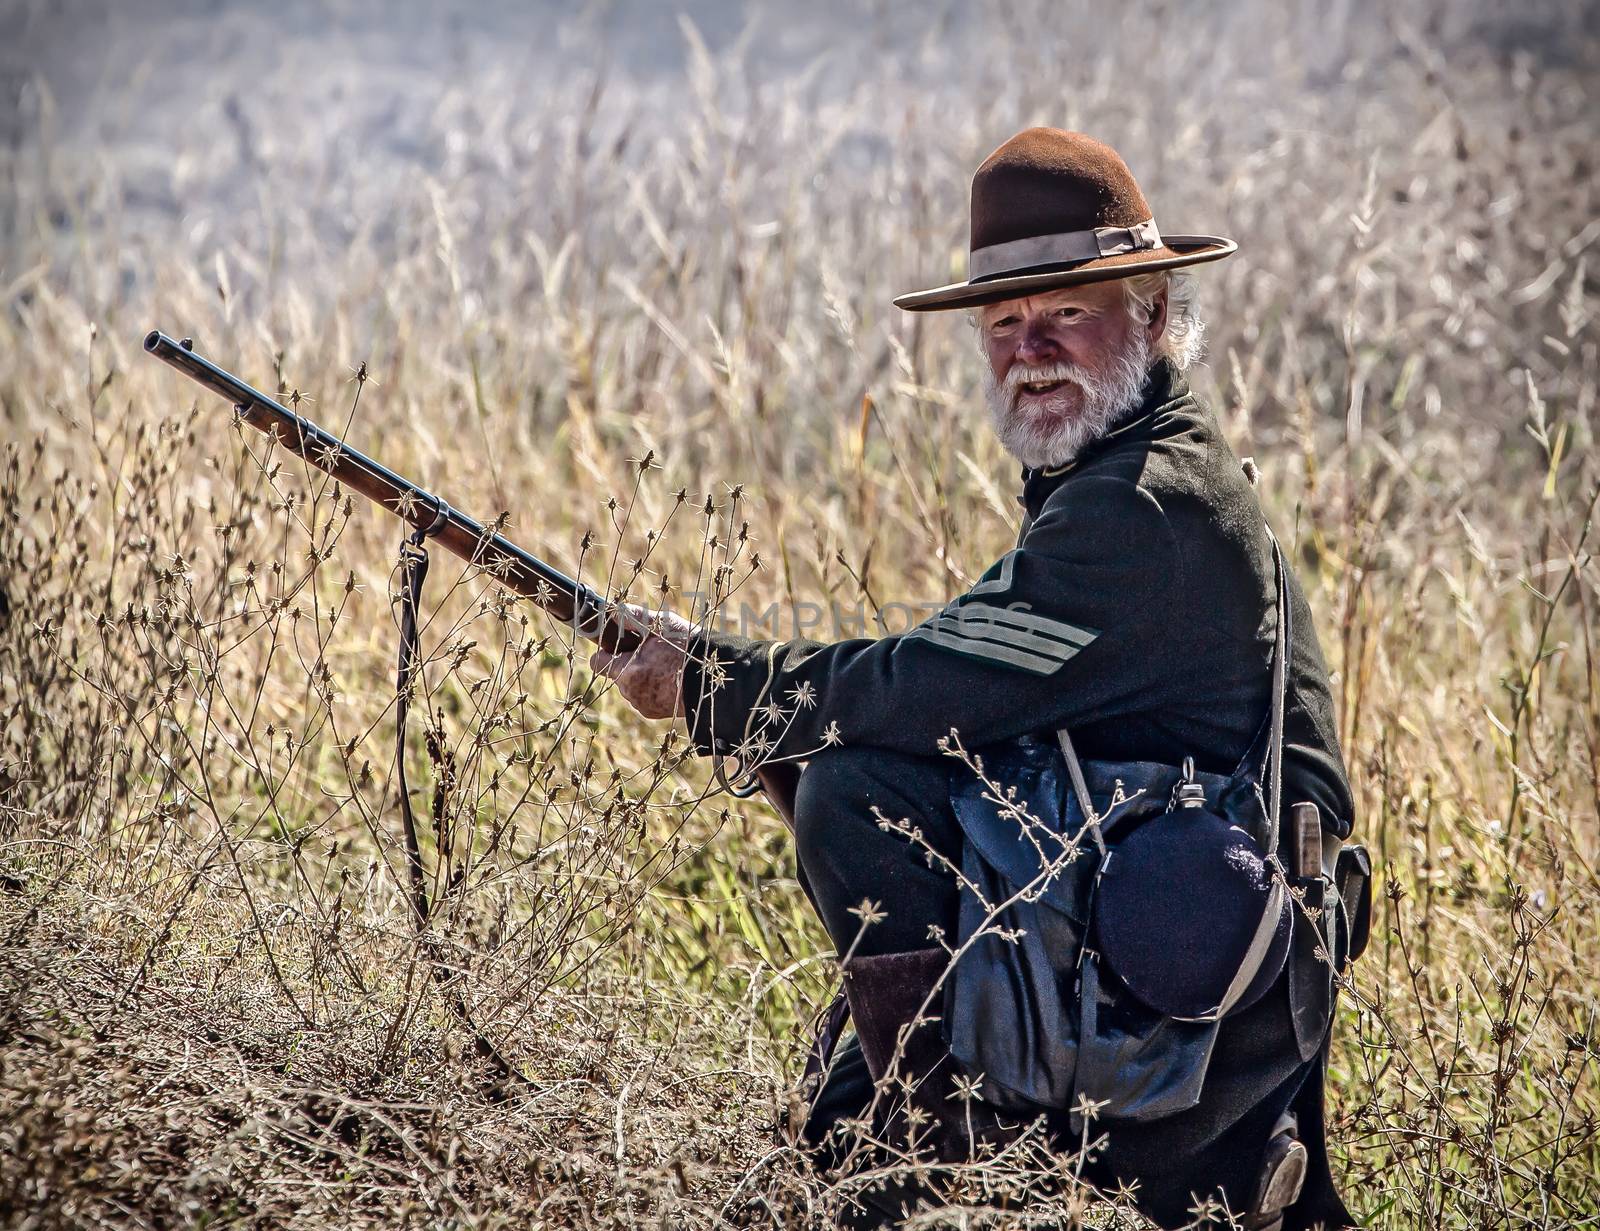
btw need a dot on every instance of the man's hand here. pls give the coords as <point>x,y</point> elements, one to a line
<point>650,676</point>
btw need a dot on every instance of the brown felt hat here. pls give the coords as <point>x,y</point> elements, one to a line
<point>1052,208</point>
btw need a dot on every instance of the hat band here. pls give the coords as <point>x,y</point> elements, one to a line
<point>996,260</point>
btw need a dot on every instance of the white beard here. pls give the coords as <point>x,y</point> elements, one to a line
<point>1049,433</point>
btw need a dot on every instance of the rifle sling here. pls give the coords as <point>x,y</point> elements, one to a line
<point>414,564</point>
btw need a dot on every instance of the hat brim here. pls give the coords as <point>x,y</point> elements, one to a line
<point>1176,251</point>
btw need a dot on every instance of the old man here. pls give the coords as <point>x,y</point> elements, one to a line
<point>1139,619</point>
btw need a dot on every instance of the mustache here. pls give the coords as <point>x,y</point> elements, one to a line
<point>1043,373</point>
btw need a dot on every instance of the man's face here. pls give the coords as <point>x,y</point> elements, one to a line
<point>1063,365</point>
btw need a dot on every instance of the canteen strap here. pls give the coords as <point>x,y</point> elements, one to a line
<point>1280,688</point>
<point>1080,788</point>
<point>1260,945</point>
<point>1272,770</point>
<point>1271,758</point>
<point>1254,761</point>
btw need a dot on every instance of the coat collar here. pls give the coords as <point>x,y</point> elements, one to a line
<point>1164,386</point>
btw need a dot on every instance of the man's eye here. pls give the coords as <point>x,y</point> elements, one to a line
<point>1005,322</point>
<point>1069,313</point>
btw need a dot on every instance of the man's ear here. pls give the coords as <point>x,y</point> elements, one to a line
<point>1157,324</point>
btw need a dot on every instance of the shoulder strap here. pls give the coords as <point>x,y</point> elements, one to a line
<point>1255,758</point>
<point>1266,929</point>
<point>1272,766</point>
<point>1272,770</point>
<point>1080,788</point>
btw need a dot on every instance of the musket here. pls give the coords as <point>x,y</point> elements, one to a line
<point>568,600</point>
<point>565,598</point>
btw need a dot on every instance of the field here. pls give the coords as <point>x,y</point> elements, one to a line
<point>625,276</point>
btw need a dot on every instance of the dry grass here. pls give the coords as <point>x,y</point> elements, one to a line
<point>557,249</point>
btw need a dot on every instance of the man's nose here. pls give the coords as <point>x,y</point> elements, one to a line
<point>1038,346</point>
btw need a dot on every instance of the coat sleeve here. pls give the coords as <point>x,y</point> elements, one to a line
<point>1050,636</point>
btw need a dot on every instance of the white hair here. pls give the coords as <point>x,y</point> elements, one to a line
<point>1184,337</point>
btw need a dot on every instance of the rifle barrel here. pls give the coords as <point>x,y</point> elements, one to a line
<point>565,598</point>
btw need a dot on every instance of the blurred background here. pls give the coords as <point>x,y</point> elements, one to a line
<point>563,238</point>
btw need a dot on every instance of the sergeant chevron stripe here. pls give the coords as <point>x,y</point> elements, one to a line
<point>1001,583</point>
<point>1011,635</point>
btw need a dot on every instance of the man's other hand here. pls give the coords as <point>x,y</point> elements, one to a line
<point>650,676</point>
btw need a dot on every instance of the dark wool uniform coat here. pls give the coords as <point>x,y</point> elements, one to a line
<point>1138,610</point>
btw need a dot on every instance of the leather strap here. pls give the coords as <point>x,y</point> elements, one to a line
<point>1280,690</point>
<point>1260,945</point>
<point>414,563</point>
<point>1256,757</point>
<point>1261,942</point>
<point>1080,788</point>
